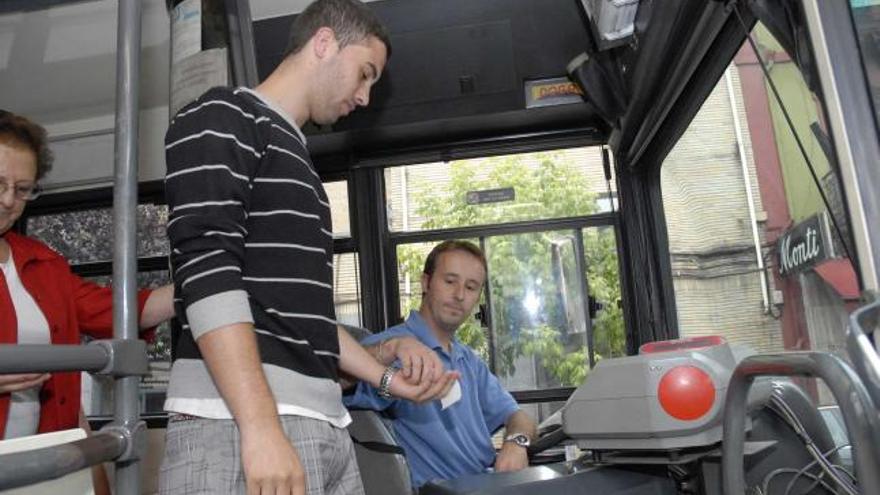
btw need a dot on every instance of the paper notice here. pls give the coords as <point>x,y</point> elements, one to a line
<point>186,30</point>
<point>196,74</point>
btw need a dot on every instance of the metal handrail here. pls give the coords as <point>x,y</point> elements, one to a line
<point>118,358</point>
<point>859,413</point>
<point>862,351</point>
<point>38,465</point>
<point>118,441</point>
<point>40,358</point>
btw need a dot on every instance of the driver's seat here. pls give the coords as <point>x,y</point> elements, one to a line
<point>382,463</point>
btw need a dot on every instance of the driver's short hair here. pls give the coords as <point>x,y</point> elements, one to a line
<point>453,245</point>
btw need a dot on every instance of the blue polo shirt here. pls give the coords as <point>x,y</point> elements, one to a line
<point>443,444</point>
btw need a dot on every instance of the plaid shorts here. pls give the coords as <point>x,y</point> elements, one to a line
<point>203,456</point>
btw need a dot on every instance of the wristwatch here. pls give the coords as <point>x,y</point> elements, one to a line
<point>385,382</point>
<point>518,438</point>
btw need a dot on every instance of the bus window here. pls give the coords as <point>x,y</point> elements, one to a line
<point>337,193</point>
<point>550,308</point>
<point>759,249</point>
<point>347,289</point>
<point>86,236</point>
<point>499,189</point>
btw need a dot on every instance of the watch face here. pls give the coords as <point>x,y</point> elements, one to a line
<point>521,440</point>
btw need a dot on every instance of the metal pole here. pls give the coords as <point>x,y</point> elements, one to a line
<point>580,260</point>
<point>747,182</point>
<point>490,329</point>
<point>40,358</point>
<point>128,46</point>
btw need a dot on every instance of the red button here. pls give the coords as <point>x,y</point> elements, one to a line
<point>686,393</point>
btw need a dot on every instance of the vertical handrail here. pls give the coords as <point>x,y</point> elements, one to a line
<point>126,403</point>
<point>861,350</point>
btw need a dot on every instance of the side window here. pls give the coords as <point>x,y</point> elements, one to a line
<point>346,267</point>
<point>550,308</point>
<point>759,249</point>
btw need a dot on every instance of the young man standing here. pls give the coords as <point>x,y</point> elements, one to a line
<point>254,397</point>
<point>444,441</point>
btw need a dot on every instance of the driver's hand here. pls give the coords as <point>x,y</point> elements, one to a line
<point>511,457</point>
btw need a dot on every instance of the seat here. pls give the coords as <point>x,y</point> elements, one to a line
<point>382,463</point>
<point>383,466</point>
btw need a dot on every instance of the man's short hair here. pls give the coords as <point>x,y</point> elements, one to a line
<point>18,131</point>
<point>351,21</point>
<point>453,245</point>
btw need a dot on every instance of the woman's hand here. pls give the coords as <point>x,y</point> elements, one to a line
<point>18,382</point>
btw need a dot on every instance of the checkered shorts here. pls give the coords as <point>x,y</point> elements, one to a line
<point>203,456</point>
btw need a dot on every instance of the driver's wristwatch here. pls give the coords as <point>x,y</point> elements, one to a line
<point>518,438</point>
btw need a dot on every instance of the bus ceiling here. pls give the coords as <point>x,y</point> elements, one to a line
<point>465,76</point>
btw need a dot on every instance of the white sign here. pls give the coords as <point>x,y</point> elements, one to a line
<point>186,30</point>
<point>196,74</point>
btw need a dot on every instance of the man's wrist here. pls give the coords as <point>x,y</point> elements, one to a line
<point>259,426</point>
<point>384,389</point>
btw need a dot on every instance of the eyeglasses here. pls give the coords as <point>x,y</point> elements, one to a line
<point>23,192</point>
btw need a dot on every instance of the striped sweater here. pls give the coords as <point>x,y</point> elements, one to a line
<point>251,241</point>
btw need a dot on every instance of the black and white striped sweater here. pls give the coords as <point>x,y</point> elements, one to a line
<point>251,241</point>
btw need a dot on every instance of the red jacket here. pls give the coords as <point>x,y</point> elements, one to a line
<point>72,306</point>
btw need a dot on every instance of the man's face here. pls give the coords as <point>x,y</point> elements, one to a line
<point>346,79</point>
<point>18,167</point>
<point>453,290</point>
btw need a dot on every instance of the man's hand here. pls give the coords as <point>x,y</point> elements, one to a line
<point>18,382</point>
<point>424,392</point>
<point>271,463</point>
<point>511,457</point>
<point>418,362</point>
<point>356,361</point>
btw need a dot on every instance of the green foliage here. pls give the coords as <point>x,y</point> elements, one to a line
<point>529,273</point>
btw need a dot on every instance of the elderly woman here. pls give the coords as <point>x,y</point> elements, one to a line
<point>41,300</point>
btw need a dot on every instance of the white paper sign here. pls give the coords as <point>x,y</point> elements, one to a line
<point>197,74</point>
<point>186,30</point>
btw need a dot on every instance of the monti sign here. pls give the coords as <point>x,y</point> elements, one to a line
<point>805,245</point>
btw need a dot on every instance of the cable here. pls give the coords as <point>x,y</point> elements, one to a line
<point>820,458</point>
<point>844,470</point>
<point>780,407</point>
<point>776,472</point>
<point>803,472</point>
